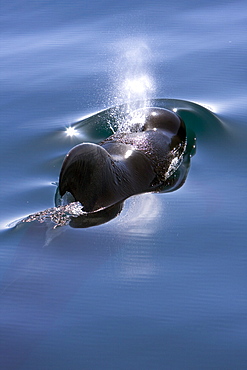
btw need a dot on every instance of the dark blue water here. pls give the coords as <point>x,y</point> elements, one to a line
<point>162,286</point>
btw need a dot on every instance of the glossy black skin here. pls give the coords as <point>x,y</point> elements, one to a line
<point>104,175</point>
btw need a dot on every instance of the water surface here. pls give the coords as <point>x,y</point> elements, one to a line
<point>163,285</point>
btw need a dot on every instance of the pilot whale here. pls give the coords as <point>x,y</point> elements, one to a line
<point>126,163</point>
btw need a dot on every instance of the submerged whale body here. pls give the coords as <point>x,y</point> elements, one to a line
<point>141,160</point>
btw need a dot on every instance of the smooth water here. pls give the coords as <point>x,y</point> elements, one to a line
<point>163,285</point>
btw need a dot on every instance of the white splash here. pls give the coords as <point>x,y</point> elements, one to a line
<point>137,87</point>
<point>60,215</point>
<point>133,84</point>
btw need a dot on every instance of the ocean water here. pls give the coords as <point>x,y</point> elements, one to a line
<point>163,285</point>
